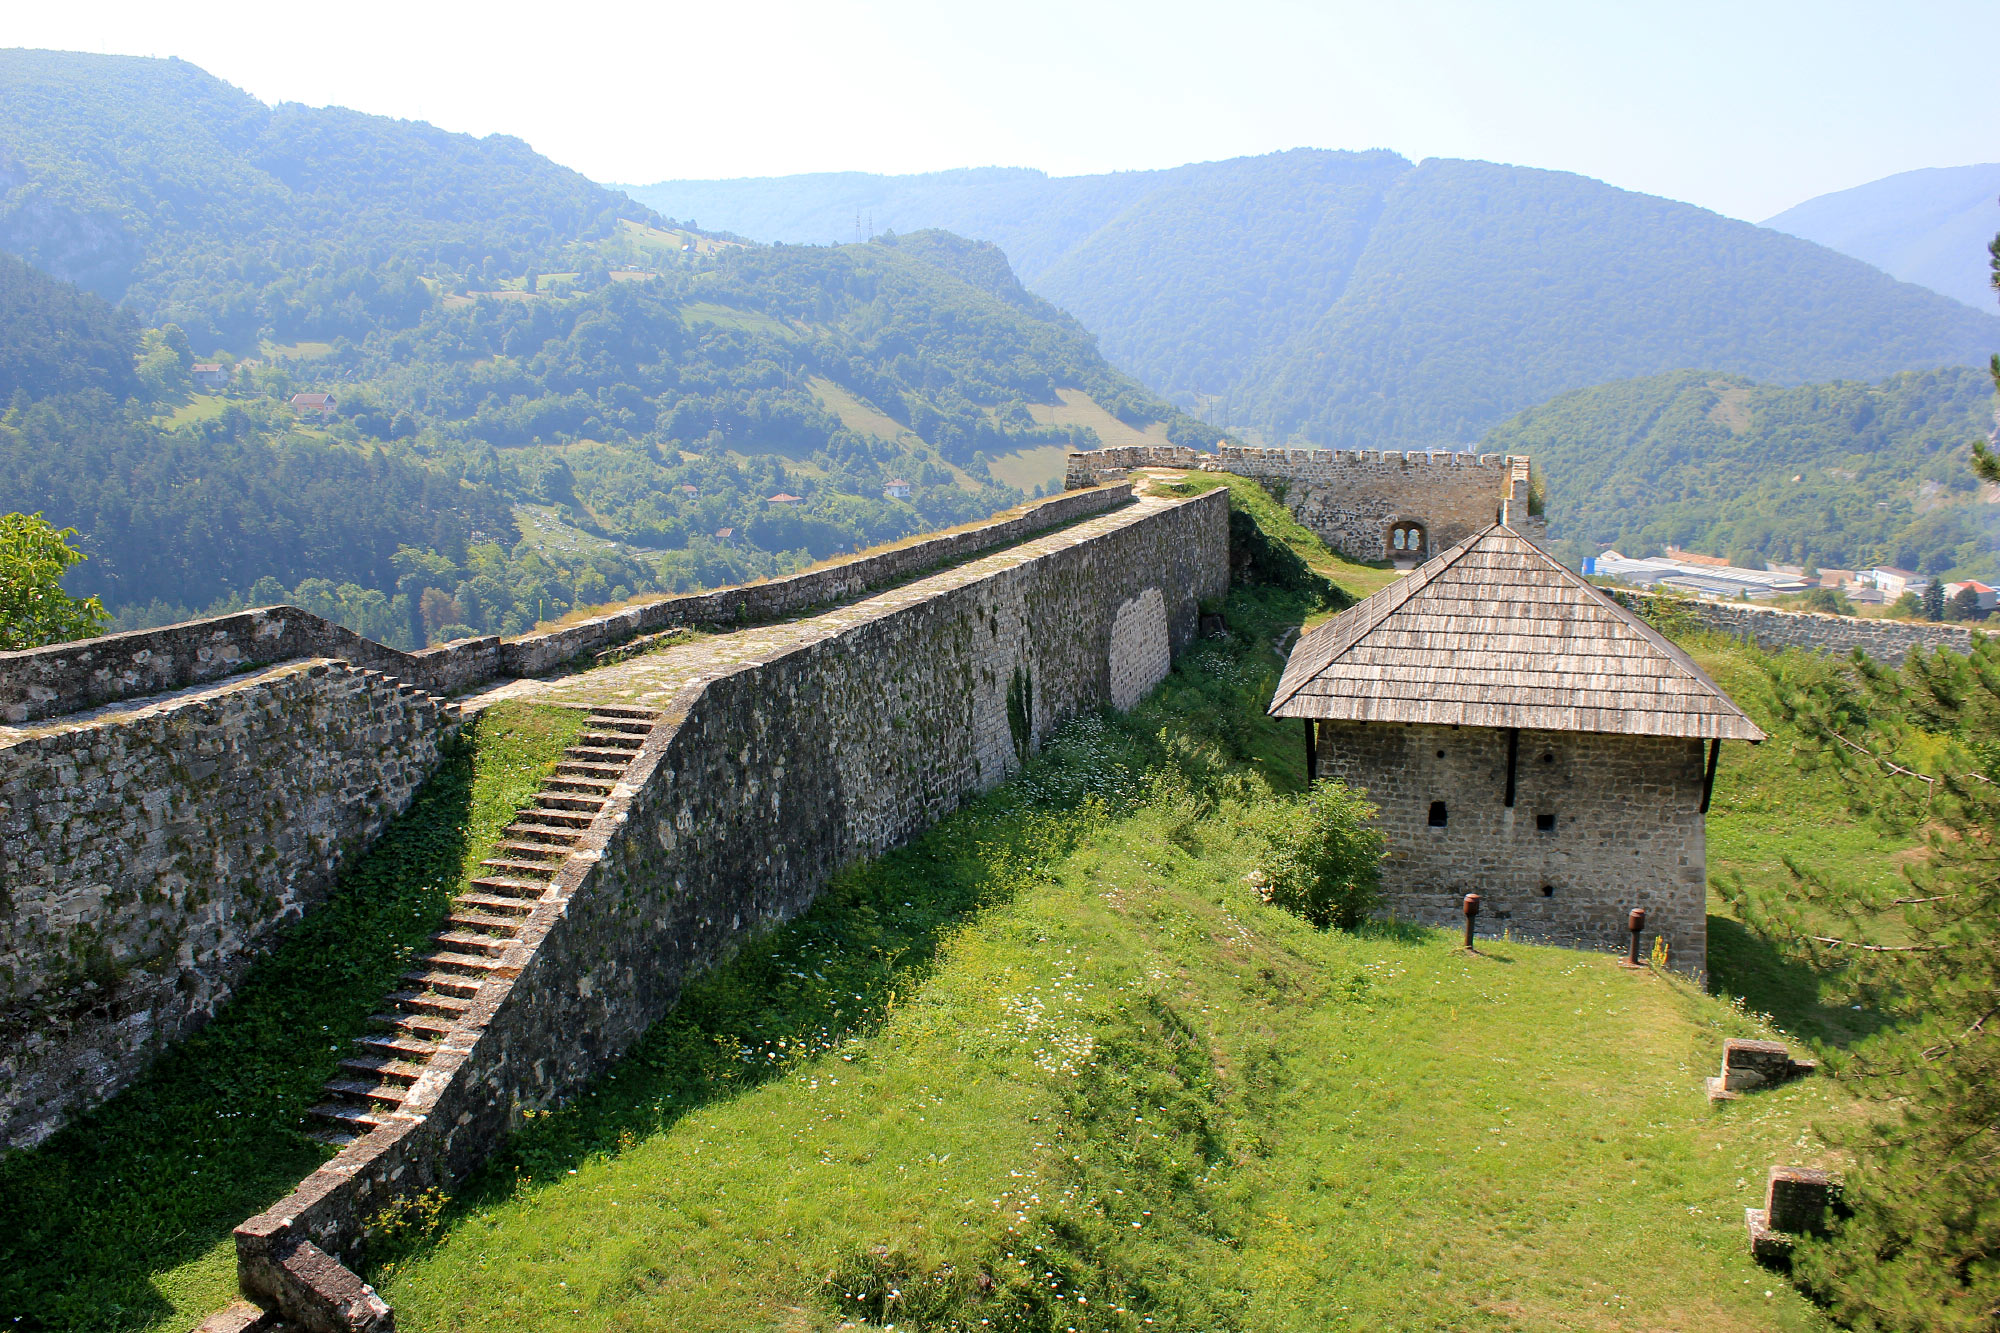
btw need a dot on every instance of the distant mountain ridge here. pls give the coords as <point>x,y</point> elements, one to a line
<point>1930,227</point>
<point>154,183</point>
<point>1361,299</point>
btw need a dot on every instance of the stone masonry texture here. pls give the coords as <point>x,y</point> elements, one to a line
<point>1350,499</point>
<point>847,734</point>
<point>1625,830</point>
<point>1775,630</point>
<point>47,682</point>
<point>148,854</point>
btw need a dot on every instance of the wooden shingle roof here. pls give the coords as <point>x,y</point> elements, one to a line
<point>1495,632</point>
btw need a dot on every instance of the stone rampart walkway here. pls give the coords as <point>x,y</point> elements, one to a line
<point>654,680</point>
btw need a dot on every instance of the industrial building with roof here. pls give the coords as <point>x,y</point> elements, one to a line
<point>1526,739</point>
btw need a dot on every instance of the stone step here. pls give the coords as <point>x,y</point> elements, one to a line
<point>350,1118</point>
<point>510,887</point>
<point>462,941</point>
<point>434,1026</point>
<point>628,711</point>
<point>569,801</point>
<point>482,902</point>
<point>554,833</point>
<point>454,984</point>
<point>395,1045</point>
<point>333,1138</point>
<point>579,782</point>
<point>623,726</point>
<point>602,754</point>
<point>624,742</point>
<point>589,768</point>
<point>534,851</point>
<point>508,928</point>
<point>428,1002</point>
<point>547,868</point>
<point>572,822</point>
<point>383,1067</point>
<point>369,1090</point>
<point>478,964</point>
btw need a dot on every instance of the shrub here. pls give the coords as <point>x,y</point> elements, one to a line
<point>1322,858</point>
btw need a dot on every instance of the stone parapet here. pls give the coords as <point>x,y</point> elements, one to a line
<point>65,678</point>
<point>150,854</point>
<point>1354,499</point>
<point>1775,630</point>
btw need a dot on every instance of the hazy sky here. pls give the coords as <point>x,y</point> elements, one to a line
<point>1745,107</point>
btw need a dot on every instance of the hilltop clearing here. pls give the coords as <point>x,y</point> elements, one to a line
<point>1845,475</point>
<point>1357,299</point>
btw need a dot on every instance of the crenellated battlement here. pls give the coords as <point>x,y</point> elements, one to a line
<point>1233,458</point>
<point>1368,504</point>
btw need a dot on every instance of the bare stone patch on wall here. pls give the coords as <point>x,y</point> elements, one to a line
<point>1140,653</point>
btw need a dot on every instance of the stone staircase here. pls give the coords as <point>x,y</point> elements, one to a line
<point>485,921</point>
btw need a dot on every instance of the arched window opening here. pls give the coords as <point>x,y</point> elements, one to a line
<point>1437,814</point>
<point>1407,538</point>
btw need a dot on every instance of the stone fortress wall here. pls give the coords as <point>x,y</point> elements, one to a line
<point>1776,630</point>
<point>156,845</point>
<point>150,854</point>
<point>49,682</point>
<point>1351,498</point>
<point>751,790</point>
<point>1618,809</point>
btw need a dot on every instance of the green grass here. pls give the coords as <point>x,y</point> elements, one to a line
<point>123,1219</point>
<point>1352,577</point>
<point>1767,811</point>
<point>1054,1065</point>
<point>1025,469</point>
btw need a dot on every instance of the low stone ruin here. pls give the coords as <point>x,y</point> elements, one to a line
<point>1754,1064</point>
<point>1797,1202</point>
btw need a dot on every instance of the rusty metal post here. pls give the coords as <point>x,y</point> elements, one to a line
<point>1635,923</point>
<point>1471,912</point>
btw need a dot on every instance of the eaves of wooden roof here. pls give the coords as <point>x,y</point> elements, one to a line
<point>1495,632</point>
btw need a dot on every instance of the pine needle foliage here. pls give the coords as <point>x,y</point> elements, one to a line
<point>1919,749</point>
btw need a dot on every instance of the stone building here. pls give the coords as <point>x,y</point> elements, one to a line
<point>1367,504</point>
<point>1526,739</point>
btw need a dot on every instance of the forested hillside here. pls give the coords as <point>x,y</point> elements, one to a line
<point>1357,299</point>
<point>1929,227</point>
<point>515,454</point>
<point>154,183</point>
<point>1843,475</point>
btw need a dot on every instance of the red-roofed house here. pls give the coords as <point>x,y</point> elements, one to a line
<point>897,489</point>
<point>1988,598</point>
<point>781,498</point>
<point>209,376</point>
<point>322,403</point>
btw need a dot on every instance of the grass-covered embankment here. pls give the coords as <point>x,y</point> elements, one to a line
<point>1055,1066</point>
<point>123,1219</point>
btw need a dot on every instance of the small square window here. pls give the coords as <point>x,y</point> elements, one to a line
<point>1545,823</point>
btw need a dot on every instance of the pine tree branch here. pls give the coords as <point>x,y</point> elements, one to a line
<point>1876,948</point>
